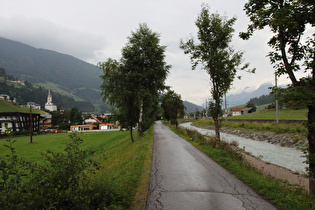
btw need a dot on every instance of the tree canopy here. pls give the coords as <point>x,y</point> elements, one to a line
<point>173,106</point>
<point>133,83</point>
<point>292,52</point>
<point>215,55</point>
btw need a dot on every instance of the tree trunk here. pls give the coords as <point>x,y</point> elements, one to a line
<point>311,134</point>
<point>311,143</point>
<point>217,130</point>
<point>140,126</point>
<point>131,134</point>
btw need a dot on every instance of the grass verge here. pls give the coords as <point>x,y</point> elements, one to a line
<point>283,196</point>
<point>292,128</point>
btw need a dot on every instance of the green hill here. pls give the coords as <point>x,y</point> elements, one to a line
<point>6,106</point>
<point>47,67</point>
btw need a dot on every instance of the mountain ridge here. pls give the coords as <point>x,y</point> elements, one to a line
<point>245,96</point>
<point>43,66</point>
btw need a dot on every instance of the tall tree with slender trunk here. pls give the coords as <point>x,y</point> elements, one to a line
<point>132,85</point>
<point>215,55</point>
<point>289,20</point>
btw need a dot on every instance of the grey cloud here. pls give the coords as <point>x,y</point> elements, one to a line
<point>41,33</point>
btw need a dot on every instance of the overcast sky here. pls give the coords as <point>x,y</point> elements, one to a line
<point>93,30</point>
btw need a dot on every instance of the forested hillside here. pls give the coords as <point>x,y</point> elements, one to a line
<point>51,69</point>
<point>264,99</point>
<point>29,92</point>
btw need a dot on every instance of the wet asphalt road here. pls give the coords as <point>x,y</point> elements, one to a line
<point>182,177</point>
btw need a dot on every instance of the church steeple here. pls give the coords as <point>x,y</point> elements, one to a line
<point>49,98</point>
<point>49,105</point>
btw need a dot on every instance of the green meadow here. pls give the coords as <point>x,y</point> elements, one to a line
<point>123,164</point>
<point>284,114</point>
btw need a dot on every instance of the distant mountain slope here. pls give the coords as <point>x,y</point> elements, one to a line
<point>44,66</point>
<point>244,97</point>
<point>190,107</point>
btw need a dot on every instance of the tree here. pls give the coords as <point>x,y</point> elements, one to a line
<point>251,105</point>
<point>173,106</point>
<point>216,56</point>
<point>291,46</point>
<point>133,84</point>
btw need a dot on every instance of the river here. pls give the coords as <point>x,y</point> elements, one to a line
<point>286,157</point>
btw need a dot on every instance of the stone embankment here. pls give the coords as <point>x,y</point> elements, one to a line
<point>284,140</point>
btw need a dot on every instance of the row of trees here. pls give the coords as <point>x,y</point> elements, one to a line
<point>64,119</point>
<point>132,84</point>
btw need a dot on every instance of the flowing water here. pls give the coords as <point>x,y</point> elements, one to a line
<point>289,158</point>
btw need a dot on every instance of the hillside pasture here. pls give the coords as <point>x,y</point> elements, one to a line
<point>123,164</point>
<point>284,114</point>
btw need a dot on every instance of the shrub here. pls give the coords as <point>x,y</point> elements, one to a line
<point>64,181</point>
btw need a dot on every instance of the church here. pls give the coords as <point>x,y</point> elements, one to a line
<point>49,105</point>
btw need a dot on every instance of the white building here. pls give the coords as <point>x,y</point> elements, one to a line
<point>33,105</point>
<point>49,105</point>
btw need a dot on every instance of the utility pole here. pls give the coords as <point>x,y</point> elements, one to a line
<point>225,107</point>
<point>277,103</point>
<point>206,109</point>
<point>31,125</point>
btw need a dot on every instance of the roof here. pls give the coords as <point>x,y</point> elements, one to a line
<point>237,109</point>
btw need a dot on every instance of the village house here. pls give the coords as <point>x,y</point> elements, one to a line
<point>82,127</point>
<point>6,97</point>
<point>33,105</point>
<point>240,111</point>
<point>92,121</point>
<point>18,121</point>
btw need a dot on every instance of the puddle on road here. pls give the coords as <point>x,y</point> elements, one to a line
<point>289,158</point>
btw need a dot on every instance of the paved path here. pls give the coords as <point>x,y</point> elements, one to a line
<point>182,177</point>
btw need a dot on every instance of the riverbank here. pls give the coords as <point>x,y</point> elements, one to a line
<point>293,179</point>
<point>284,139</point>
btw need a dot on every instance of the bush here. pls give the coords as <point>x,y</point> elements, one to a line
<point>64,181</point>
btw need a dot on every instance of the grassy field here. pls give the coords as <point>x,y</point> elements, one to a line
<point>124,164</point>
<point>289,128</point>
<point>284,114</point>
<point>55,87</point>
<point>6,106</point>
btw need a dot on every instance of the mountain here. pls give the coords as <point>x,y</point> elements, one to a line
<point>244,97</point>
<point>62,73</point>
<point>190,107</point>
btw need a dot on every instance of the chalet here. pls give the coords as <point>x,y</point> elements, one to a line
<point>92,119</point>
<point>15,118</point>
<point>18,121</point>
<point>240,111</point>
<point>45,121</point>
